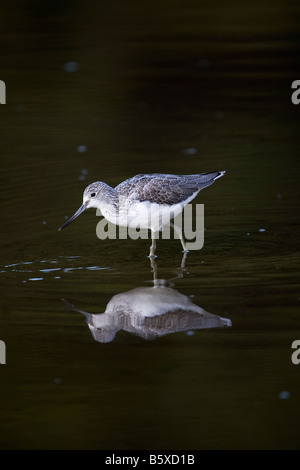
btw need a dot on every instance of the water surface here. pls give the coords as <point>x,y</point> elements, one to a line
<point>154,88</point>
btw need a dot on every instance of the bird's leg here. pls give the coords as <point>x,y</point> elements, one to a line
<point>154,268</point>
<point>184,260</point>
<point>153,246</point>
<point>179,233</point>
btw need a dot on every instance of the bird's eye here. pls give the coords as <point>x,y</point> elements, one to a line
<point>93,194</point>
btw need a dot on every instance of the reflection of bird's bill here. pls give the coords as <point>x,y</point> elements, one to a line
<point>74,216</point>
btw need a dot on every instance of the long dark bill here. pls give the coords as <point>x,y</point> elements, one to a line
<point>77,213</point>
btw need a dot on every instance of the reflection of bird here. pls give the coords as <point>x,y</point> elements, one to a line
<point>149,312</point>
<point>145,201</point>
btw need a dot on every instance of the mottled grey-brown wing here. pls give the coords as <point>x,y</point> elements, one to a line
<point>165,189</point>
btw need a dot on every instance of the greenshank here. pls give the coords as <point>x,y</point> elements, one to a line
<point>131,202</point>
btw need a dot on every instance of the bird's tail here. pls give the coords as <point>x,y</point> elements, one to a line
<point>206,179</point>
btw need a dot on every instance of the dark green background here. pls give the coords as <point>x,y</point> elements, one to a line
<point>154,78</point>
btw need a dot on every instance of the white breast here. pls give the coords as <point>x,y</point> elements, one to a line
<point>147,215</point>
<point>144,215</point>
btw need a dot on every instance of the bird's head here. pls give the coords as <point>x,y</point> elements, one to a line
<point>90,199</point>
<point>91,195</point>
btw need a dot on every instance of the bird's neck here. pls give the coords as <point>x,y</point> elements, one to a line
<point>109,204</point>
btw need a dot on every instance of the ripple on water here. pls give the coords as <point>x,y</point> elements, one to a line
<point>33,269</point>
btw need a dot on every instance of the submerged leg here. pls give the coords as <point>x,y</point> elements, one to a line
<point>184,259</point>
<point>154,268</point>
<point>153,246</point>
<point>180,271</point>
<point>179,233</point>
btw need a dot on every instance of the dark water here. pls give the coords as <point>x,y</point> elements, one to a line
<point>157,87</point>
